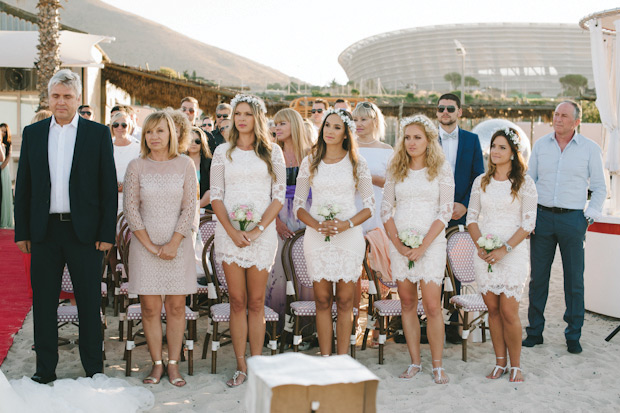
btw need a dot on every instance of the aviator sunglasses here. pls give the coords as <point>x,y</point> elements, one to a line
<point>222,115</point>
<point>190,110</point>
<point>85,113</point>
<point>122,125</point>
<point>317,110</point>
<point>451,109</point>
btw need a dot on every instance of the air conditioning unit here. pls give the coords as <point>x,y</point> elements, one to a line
<point>17,79</point>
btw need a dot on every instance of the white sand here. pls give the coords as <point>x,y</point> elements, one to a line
<point>555,379</point>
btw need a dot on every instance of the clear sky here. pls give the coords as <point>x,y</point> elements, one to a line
<point>304,39</point>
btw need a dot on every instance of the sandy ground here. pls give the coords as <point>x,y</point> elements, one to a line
<point>555,379</point>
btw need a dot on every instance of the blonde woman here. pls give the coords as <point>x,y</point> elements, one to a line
<point>125,149</point>
<point>334,249</point>
<point>419,196</point>
<point>160,207</point>
<point>292,137</point>
<point>183,128</point>
<point>504,202</point>
<point>247,170</point>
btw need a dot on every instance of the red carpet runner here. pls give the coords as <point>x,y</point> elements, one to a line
<point>15,299</point>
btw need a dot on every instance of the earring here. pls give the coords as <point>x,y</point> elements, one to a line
<point>512,157</point>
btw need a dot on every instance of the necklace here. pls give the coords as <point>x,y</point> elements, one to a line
<point>290,158</point>
<point>366,143</point>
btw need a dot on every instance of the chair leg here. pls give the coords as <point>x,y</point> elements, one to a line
<point>128,347</point>
<point>214,349</point>
<point>273,337</point>
<point>465,327</point>
<point>207,337</point>
<point>381,334</point>
<point>353,336</point>
<point>484,331</point>
<point>191,328</point>
<point>296,334</point>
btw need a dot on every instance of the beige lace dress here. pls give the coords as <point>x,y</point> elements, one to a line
<point>245,180</point>
<point>160,197</point>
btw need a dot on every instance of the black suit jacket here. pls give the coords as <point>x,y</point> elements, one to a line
<point>93,192</point>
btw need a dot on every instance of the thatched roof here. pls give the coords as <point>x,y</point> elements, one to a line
<point>159,90</point>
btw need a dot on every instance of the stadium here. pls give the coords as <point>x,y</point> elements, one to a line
<point>525,58</point>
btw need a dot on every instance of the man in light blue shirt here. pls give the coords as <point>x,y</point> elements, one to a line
<point>564,165</point>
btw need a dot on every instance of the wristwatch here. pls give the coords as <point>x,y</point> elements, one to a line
<point>260,228</point>
<point>508,247</point>
<point>350,223</point>
<point>590,220</point>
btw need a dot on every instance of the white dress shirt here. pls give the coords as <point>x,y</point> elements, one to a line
<point>60,155</point>
<point>450,145</point>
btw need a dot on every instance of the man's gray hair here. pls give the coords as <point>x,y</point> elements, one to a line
<point>68,78</point>
<point>223,106</point>
<point>576,107</point>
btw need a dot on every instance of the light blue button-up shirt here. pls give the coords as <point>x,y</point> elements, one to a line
<point>564,177</point>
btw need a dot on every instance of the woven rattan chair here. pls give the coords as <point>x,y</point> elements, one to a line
<point>461,251</point>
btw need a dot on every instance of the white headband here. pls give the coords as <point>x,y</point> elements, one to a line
<point>345,119</point>
<point>514,137</point>
<point>415,119</point>
<point>252,100</point>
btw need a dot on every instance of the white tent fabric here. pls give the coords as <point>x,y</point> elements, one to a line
<point>19,49</point>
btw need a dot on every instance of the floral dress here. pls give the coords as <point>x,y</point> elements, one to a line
<point>245,180</point>
<point>340,258</point>
<point>415,203</point>
<point>496,212</point>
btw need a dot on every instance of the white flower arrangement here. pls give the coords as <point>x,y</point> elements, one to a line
<point>252,100</point>
<point>329,212</point>
<point>513,136</point>
<point>345,118</point>
<point>416,119</point>
<point>412,239</point>
<point>489,242</point>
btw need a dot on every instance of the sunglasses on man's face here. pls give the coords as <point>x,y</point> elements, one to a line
<point>190,110</point>
<point>222,115</point>
<point>85,113</point>
<point>207,125</point>
<point>122,125</point>
<point>451,109</point>
<point>317,110</point>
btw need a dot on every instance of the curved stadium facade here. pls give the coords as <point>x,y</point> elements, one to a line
<point>529,58</point>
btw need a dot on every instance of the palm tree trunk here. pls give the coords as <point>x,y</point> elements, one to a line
<point>49,57</point>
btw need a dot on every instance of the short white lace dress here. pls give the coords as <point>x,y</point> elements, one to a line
<point>160,197</point>
<point>497,213</point>
<point>415,203</point>
<point>245,180</point>
<point>340,258</point>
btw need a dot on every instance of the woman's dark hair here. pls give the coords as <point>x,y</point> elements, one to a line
<point>518,167</point>
<point>7,138</point>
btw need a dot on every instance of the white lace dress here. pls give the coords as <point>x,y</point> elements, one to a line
<point>340,258</point>
<point>160,197</point>
<point>245,180</point>
<point>497,213</point>
<point>415,203</point>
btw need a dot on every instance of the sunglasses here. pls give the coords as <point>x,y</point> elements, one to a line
<point>273,134</point>
<point>122,125</point>
<point>84,113</point>
<point>451,109</point>
<point>207,125</point>
<point>317,110</point>
<point>220,115</point>
<point>365,105</point>
<point>197,141</point>
<point>190,110</point>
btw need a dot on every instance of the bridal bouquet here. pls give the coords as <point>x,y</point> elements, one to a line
<point>489,242</point>
<point>412,239</point>
<point>245,215</point>
<point>329,212</point>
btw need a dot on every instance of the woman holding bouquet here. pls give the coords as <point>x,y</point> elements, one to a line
<point>417,205</point>
<point>247,174</point>
<point>504,200</point>
<point>334,244</point>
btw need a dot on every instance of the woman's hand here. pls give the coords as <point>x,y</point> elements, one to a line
<point>482,254</point>
<point>253,234</point>
<point>239,238</point>
<point>334,227</point>
<point>283,231</point>
<point>168,251</point>
<point>496,255</point>
<point>415,254</point>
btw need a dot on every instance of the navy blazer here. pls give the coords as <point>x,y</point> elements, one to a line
<point>469,165</point>
<point>93,192</point>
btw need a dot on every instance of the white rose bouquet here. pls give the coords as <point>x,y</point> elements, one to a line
<point>329,212</point>
<point>245,215</point>
<point>412,239</point>
<point>489,242</point>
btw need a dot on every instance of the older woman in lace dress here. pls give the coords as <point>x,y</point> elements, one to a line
<point>160,206</point>
<point>503,203</point>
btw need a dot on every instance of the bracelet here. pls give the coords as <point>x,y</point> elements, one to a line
<point>351,225</point>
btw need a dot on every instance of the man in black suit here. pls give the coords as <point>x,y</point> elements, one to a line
<point>65,213</point>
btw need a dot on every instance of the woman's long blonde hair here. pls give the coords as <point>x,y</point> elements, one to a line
<point>299,134</point>
<point>262,143</point>
<point>185,128</point>
<point>434,159</point>
<point>349,144</point>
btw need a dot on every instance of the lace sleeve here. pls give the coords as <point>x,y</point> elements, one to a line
<point>187,217</point>
<point>474,202</point>
<point>389,199</point>
<point>217,173</point>
<point>278,187</point>
<point>529,204</point>
<point>446,194</point>
<point>364,185</point>
<point>302,188</point>
<point>131,196</point>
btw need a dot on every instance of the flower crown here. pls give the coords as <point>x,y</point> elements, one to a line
<point>252,100</point>
<point>415,119</point>
<point>345,118</point>
<point>513,136</point>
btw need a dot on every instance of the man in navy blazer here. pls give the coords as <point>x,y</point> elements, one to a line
<point>463,152</point>
<point>65,213</point>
